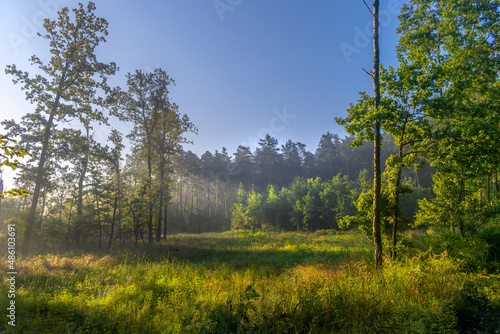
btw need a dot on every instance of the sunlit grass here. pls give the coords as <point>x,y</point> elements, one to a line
<point>248,282</point>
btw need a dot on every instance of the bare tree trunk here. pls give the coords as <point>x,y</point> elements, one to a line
<point>181,208</point>
<point>113,222</point>
<point>69,225</point>
<point>41,213</point>
<point>495,185</point>
<point>396,199</point>
<point>1,192</point>
<point>377,238</point>
<point>216,203</point>
<point>488,192</point>
<point>98,218</point>
<point>160,206</point>
<point>165,221</point>
<point>209,208</point>
<point>150,196</point>
<point>79,204</point>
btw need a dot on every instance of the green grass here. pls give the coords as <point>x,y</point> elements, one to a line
<point>244,282</point>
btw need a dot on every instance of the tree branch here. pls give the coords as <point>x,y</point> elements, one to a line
<point>371,75</point>
<point>368,7</point>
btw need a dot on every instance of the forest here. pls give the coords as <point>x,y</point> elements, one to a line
<point>393,228</point>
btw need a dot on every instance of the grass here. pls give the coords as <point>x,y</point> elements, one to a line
<point>244,282</point>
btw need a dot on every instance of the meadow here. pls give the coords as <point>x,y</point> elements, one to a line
<point>263,282</point>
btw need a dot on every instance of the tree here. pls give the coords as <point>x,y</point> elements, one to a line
<point>70,80</point>
<point>453,45</point>
<point>368,127</point>
<point>143,104</point>
<point>8,157</point>
<point>268,159</point>
<point>169,136</point>
<point>114,160</point>
<point>327,156</point>
<point>407,122</point>
<point>243,166</point>
<point>377,239</point>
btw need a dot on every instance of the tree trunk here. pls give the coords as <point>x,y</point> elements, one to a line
<point>150,196</point>
<point>113,222</point>
<point>1,192</point>
<point>377,238</point>
<point>165,221</point>
<point>41,213</point>
<point>495,185</point>
<point>160,206</point>
<point>39,176</point>
<point>69,225</point>
<point>181,208</point>
<point>396,200</point>
<point>98,217</point>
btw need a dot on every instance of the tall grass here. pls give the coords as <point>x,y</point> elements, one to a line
<point>243,282</point>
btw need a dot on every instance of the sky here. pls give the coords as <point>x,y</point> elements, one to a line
<point>242,68</point>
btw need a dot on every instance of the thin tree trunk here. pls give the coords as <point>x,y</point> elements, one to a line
<point>165,221</point>
<point>98,218</point>
<point>377,238</point>
<point>216,203</point>
<point>43,209</point>
<point>160,206</point>
<point>79,204</point>
<point>181,208</point>
<point>396,200</point>
<point>113,222</point>
<point>209,208</point>
<point>488,192</point>
<point>150,197</point>
<point>460,207</point>
<point>1,192</point>
<point>495,185</point>
<point>69,225</point>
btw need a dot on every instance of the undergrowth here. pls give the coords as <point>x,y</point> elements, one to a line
<point>244,282</point>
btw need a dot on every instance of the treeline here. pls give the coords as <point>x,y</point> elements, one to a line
<point>313,204</point>
<point>205,189</point>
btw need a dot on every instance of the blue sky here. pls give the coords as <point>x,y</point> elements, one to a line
<point>242,67</point>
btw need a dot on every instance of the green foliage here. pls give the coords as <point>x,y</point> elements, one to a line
<point>304,205</point>
<point>447,50</point>
<point>240,282</point>
<point>8,157</point>
<point>227,318</point>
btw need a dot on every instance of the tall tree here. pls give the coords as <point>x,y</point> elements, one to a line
<point>369,127</point>
<point>143,104</point>
<point>243,166</point>
<point>377,176</point>
<point>454,47</point>
<point>268,159</point>
<point>169,137</point>
<point>327,156</point>
<point>71,77</point>
<point>114,160</point>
